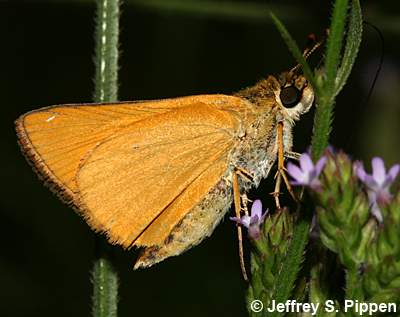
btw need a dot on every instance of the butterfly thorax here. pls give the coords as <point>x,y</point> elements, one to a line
<point>256,149</point>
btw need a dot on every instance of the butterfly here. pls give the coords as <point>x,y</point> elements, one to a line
<point>161,174</point>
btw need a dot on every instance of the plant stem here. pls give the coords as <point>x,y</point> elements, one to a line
<point>334,44</point>
<point>106,54</point>
<point>105,278</point>
<point>327,84</point>
<point>286,278</point>
<point>105,289</point>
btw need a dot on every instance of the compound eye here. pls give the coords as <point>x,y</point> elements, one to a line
<point>290,96</point>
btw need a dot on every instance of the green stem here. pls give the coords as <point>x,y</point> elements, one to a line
<point>334,44</point>
<point>353,287</point>
<point>285,281</point>
<point>105,289</point>
<point>322,125</point>
<point>106,54</point>
<point>353,42</point>
<point>105,278</point>
<point>327,83</point>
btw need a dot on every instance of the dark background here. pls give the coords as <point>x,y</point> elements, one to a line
<point>46,58</point>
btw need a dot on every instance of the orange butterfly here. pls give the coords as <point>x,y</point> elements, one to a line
<point>162,174</point>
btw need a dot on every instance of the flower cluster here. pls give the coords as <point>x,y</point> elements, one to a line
<point>307,174</point>
<point>377,184</point>
<point>349,206</point>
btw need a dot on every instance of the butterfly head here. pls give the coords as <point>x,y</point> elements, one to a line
<point>294,94</point>
<point>289,93</point>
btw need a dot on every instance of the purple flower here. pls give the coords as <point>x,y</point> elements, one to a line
<point>377,183</point>
<point>252,222</point>
<point>307,174</point>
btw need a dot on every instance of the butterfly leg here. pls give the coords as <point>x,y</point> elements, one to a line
<point>250,178</point>
<point>244,173</point>
<point>281,174</point>
<point>245,201</point>
<point>237,204</point>
<point>292,155</point>
<point>276,192</point>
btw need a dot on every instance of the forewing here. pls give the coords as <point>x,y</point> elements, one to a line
<point>56,139</point>
<point>128,181</point>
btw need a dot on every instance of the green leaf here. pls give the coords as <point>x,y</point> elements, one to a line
<point>353,41</point>
<point>334,44</point>
<point>294,49</point>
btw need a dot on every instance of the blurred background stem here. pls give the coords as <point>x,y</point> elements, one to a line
<point>105,278</point>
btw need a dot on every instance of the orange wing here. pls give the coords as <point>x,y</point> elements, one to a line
<point>131,179</point>
<point>133,169</point>
<point>55,139</point>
